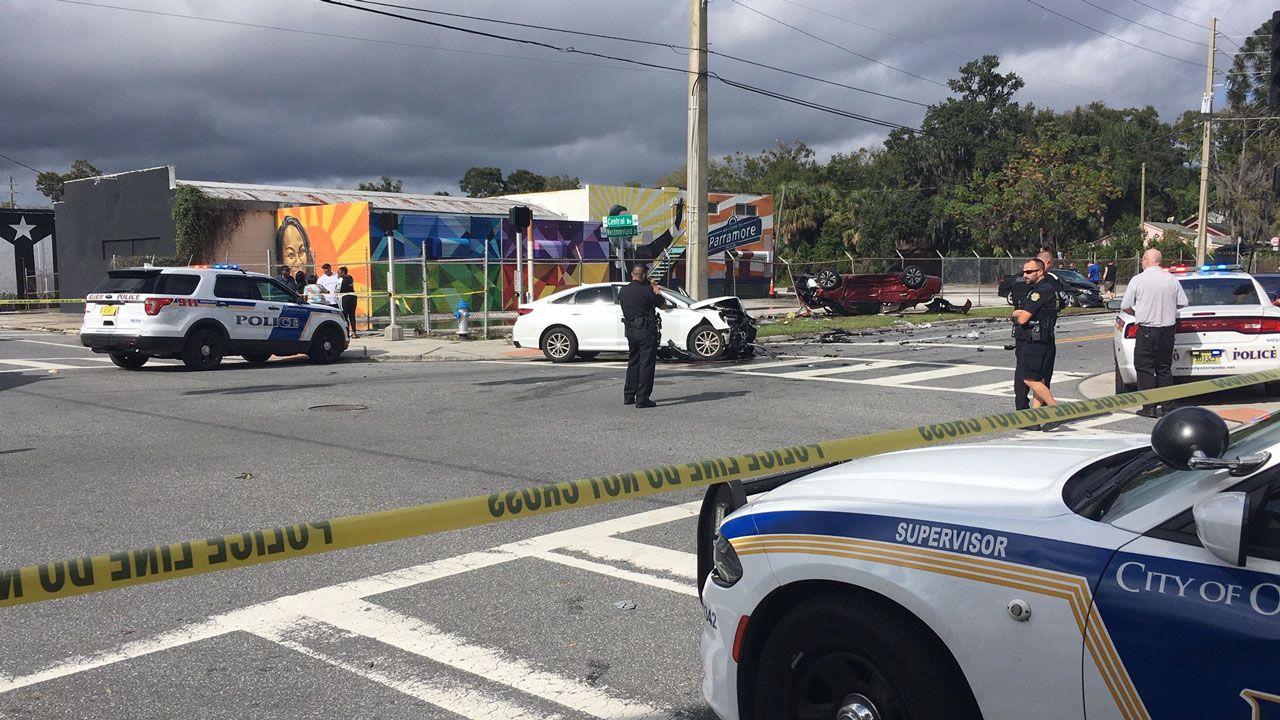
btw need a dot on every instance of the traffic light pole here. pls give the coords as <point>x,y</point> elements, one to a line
<point>1206,111</point>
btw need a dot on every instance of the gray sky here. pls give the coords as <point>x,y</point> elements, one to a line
<point>232,102</point>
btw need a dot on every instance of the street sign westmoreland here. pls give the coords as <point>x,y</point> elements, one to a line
<point>617,221</point>
<point>740,231</point>
<point>622,231</point>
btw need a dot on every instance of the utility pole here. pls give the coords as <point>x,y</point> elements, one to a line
<point>13,203</point>
<point>1206,111</point>
<point>696,256</point>
<point>1142,206</point>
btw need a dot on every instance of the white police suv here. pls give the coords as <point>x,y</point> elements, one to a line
<point>203,313</point>
<point>1055,578</point>
<point>1230,328</point>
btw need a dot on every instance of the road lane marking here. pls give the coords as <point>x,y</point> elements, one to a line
<point>468,700</point>
<point>40,365</point>
<point>642,555</point>
<point>681,588</point>
<point>419,637</point>
<point>820,373</point>
<point>929,375</point>
<point>1086,338</point>
<point>270,615</point>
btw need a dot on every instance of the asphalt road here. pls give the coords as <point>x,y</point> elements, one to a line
<point>587,613</point>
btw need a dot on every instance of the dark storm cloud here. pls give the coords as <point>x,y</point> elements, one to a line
<point>225,102</point>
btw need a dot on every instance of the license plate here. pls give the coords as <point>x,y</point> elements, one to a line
<point>1206,357</point>
<point>109,310</point>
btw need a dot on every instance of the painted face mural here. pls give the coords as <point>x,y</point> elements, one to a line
<point>295,247</point>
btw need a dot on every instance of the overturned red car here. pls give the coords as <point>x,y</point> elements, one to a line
<point>850,294</point>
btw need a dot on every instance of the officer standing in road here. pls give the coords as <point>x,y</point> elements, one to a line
<point>1153,298</point>
<point>639,299</point>
<point>1033,334</point>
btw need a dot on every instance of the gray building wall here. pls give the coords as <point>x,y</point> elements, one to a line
<point>127,214</point>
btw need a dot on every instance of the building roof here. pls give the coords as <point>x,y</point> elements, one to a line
<point>401,202</point>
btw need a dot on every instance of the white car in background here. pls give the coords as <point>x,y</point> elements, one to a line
<point>586,320</point>
<point>1230,328</point>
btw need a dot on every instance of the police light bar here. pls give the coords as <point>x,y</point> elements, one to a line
<point>225,266</point>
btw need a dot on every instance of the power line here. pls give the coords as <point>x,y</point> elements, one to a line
<point>1092,4</point>
<point>727,56</point>
<point>904,38</point>
<point>19,162</point>
<point>1107,34</point>
<point>618,38</point>
<point>549,46</point>
<point>868,58</point>
<point>336,36</point>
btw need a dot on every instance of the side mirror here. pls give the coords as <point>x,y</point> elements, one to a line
<point>1220,524</point>
<point>1113,304</point>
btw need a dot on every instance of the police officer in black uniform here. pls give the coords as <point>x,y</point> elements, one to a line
<point>1034,319</point>
<point>639,299</point>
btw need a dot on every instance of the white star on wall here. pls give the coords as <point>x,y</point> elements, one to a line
<point>22,229</point>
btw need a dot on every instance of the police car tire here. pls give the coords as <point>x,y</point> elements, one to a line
<point>706,342</point>
<point>131,360</point>
<point>828,279</point>
<point>256,358</point>
<point>204,350</point>
<point>837,645</point>
<point>913,277</point>
<point>326,345</point>
<point>559,344</point>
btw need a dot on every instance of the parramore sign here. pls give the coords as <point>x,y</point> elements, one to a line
<point>742,231</point>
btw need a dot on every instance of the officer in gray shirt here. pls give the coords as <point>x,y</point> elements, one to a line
<point>1153,298</point>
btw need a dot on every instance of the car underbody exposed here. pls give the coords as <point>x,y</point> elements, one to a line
<point>850,294</point>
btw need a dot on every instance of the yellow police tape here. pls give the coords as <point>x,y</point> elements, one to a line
<point>36,583</point>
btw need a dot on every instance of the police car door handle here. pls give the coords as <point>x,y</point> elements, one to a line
<point>273,307</point>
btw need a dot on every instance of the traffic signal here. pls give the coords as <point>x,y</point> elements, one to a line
<point>1273,73</point>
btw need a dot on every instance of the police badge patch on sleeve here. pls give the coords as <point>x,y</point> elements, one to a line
<point>1035,296</point>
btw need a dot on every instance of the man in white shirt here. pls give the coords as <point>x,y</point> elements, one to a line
<point>330,283</point>
<point>1153,298</point>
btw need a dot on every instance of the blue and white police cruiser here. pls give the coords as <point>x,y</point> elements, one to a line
<point>203,313</point>
<point>1230,327</point>
<point>1064,577</point>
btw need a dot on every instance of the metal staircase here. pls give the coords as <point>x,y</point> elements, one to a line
<point>667,260</point>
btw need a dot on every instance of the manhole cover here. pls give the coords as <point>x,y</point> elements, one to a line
<point>338,408</point>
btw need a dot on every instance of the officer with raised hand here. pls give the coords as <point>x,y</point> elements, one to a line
<point>639,299</point>
<point>1034,319</point>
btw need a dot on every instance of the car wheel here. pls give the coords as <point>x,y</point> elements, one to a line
<point>913,277</point>
<point>559,344</point>
<point>203,351</point>
<point>1121,385</point>
<point>833,653</point>
<point>131,360</point>
<point>256,358</point>
<point>588,355</point>
<point>828,279</point>
<point>706,343</point>
<point>326,346</point>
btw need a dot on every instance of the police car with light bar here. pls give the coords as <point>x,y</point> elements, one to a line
<point>1230,328</point>
<point>1057,578</point>
<point>204,313</point>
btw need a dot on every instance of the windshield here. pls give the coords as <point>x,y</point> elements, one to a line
<point>1071,275</point>
<point>677,295</point>
<point>1157,480</point>
<point>1221,291</point>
